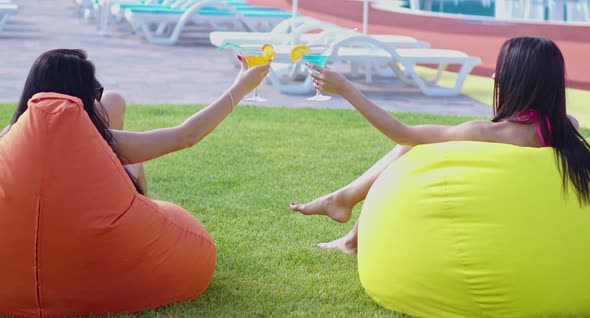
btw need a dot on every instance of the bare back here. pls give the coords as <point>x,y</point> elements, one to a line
<point>515,131</point>
<point>518,134</point>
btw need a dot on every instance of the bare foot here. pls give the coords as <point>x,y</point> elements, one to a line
<point>333,205</point>
<point>347,244</point>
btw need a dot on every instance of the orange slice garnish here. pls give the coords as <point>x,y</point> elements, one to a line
<point>269,51</point>
<point>298,51</point>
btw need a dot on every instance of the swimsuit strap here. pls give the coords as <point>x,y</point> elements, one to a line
<point>528,116</point>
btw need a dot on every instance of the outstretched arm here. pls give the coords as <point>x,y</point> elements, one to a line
<point>333,82</point>
<point>403,134</point>
<point>137,147</point>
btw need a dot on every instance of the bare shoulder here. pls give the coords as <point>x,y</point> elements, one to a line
<point>479,130</point>
<point>479,124</point>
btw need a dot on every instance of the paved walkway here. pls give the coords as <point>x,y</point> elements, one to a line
<point>183,74</point>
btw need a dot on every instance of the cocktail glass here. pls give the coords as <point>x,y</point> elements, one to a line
<point>320,60</point>
<point>254,60</point>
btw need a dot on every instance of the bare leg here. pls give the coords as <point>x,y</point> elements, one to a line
<point>338,205</point>
<point>115,106</point>
<point>348,243</point>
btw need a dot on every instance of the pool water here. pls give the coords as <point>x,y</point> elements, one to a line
<point>464,7</point>
<point>560,11</point>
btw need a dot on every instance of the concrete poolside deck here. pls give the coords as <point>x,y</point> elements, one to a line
<point>192,73</point>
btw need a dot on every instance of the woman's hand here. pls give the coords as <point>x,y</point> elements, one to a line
<point>248,78</point>
<point>329,81</point>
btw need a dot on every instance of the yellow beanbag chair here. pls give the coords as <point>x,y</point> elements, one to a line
<point>468,229</point>
<point>75,237</point>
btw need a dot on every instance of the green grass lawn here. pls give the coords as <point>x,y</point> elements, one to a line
<point>239,182</point>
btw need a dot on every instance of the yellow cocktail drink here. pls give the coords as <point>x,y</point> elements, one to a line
<point>255,60</point>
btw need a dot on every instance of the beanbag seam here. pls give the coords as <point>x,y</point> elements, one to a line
<point>459,251</point>
<point>57,112</point>
<point>50,117</point>
<point>38,266</point>
<point>77,107</point>
<point>124,211</point>
<point>96,135</point>
<point>37,251</point>
<point>168,302</point>
<point>171,221</point>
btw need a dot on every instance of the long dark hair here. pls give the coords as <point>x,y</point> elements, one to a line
<point>530,75</point>
<point>69,72</point>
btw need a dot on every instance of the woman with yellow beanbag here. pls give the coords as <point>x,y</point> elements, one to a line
<point>487,217</point>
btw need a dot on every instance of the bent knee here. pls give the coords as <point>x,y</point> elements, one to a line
<point>113,102</point>
<point>574,121</point>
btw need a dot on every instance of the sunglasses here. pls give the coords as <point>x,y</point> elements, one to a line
<point>99,91</point>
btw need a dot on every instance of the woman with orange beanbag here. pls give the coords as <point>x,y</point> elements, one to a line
<point>76,236</point>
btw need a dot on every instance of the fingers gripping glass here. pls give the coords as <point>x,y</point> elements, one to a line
<point>99,91</point>
<point>317,57</point>
<point>254,59</point>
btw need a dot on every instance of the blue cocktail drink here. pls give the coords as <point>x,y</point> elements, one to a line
<point>319,60</point>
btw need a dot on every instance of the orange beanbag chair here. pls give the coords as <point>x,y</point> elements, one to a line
<point>75,237</point>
